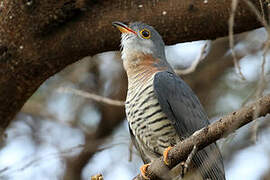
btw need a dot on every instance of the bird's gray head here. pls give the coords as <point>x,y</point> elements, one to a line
<point>138,37</point>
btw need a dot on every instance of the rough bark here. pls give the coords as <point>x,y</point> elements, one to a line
<point>208,135</point>
<point>39,38</point>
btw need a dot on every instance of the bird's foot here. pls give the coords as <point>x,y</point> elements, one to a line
<point>143,170</point>
<point>165,155</point>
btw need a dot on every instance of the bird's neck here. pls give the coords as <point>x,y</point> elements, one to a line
<point>141,67</point>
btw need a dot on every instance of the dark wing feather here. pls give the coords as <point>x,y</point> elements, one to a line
<point>182,106</point>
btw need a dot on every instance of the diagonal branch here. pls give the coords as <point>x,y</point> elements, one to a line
<point>208,135</point>
<point>92,96</point>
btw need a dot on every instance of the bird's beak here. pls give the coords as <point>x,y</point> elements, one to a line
<point>123,28</point>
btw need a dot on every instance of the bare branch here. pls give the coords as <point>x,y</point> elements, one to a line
<point>208,135</point>
<point>231,24</point>
<point>92,96</point>
<point>260,88</point>
<point>188,161</point>
<point>195,63</point>
<point>262,82</point>
<point>234,147</point>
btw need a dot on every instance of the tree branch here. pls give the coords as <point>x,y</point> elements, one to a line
<point>92,96</point>
<point>208,135</point>
<point>40,38</point>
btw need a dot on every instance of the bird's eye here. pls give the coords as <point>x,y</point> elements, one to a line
<point>145,33</point>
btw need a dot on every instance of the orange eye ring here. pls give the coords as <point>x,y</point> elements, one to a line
<point>145,33</point>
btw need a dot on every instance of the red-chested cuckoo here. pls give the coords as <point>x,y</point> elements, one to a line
<point>161,108</point>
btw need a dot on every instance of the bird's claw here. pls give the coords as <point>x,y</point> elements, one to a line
<point>143,170</point>
<point>165,155</point>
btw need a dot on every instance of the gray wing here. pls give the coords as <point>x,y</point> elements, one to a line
<point>184,109</point>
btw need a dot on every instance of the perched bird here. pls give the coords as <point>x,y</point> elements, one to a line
<point>161,108</point>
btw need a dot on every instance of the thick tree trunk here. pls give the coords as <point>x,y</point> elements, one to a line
<point>39,38</point>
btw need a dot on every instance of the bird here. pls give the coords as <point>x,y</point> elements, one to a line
<point>161,108</point>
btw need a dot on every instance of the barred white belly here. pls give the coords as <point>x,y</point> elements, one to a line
<point>152,129</point>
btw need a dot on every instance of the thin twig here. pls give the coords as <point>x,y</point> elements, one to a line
<point>262,9</point>
<point>231,38</point>
<point>195,63</point>
<point>262,82</point>
<point>61,153</point>
<point>232,148</point>
<point>188,161</point>
<point>92,96</point>
<point>32,161</point>
<point>260,88</point>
